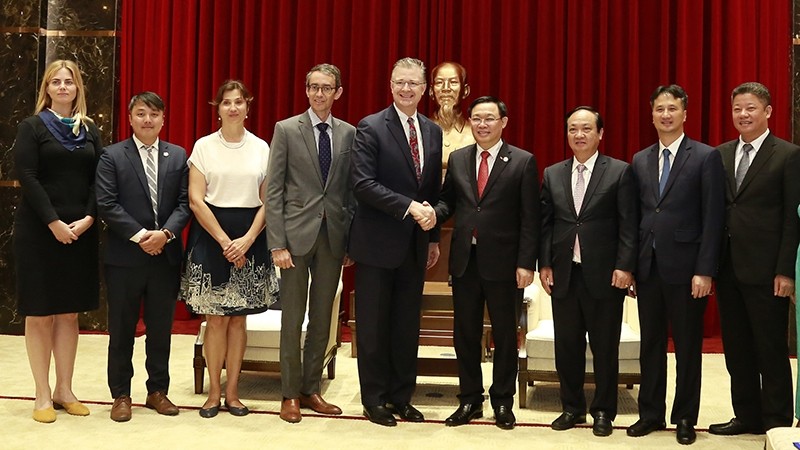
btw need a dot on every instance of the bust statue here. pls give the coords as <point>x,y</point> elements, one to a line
<point>448,87</point>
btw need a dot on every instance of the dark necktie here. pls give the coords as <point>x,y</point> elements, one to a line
<point>324,151</point>
<point>483,173</point>
<point>744,164</point>
<point>662,183</point>
<point>152,185</point>
<point>414,144</point>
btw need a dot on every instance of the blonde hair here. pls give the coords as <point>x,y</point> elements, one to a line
<point>44,100</point>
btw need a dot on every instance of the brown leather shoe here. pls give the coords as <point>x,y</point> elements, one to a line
<point>121,410</point>
<point>290,410</point>
<point>159,401</point>
<point>318,404</point>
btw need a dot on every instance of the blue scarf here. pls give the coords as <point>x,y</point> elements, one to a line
<point>64,130</point>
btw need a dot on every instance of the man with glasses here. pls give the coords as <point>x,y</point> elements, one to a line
<point>492,189</point>
<point>396,165</point>
<point>309,208</point>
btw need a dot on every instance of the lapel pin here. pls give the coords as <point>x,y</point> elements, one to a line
<point>504,158</point>
<point>166,154</point>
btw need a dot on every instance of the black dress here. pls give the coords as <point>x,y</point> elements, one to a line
<point>54,278</point>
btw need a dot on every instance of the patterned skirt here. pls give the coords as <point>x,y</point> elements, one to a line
<point>213,285</point>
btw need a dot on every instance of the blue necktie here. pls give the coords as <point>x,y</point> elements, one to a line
<point>662,183</point>
<point>324,151</point>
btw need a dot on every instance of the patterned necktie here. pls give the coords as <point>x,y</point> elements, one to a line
<point>483,173</point>
<point>577,198</point>
<point>150,171</point>
<point>662,183</point>
<point>414,144</point>
<point>324,151</point>
<point>744,164</point>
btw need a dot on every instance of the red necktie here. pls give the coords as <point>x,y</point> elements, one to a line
<point>412,142</point>
<point>483,173</point>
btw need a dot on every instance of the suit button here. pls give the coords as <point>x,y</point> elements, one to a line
<point>479,209</point>
<point>578,224</point>
<point>658,210</point>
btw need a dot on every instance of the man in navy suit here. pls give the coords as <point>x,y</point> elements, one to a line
<point>756,278</point>
<point>142,197</point>
<point>492,189</point>
<point>396,171</point>
<point>588,254</point>
<point>682,203</point>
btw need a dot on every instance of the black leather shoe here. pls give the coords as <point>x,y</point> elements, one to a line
<point>464,414</point>
<point>210,412</point>
<point>602,424</point>
<point>406,412</point>
<point>237,411</point>
<point>380,415</point>
<point>504,417</point>
<point>732,428</point>
<point>567,420</point>
<point>643,427</point>
<point>686,434</point>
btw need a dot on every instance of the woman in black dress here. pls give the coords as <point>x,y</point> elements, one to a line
<point>55,240</point>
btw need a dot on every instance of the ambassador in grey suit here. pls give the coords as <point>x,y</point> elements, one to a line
<point>588,254</point>
<point>682,203</point>
<point>142,197</point>
<point>309,207</point>
<point>757,268</point>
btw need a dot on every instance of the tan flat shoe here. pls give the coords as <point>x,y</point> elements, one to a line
<point>47,415</point>
<point>73,409</point>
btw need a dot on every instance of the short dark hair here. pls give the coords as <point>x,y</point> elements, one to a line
<point>752,87</point>
<point>489,99</point>
<point>674,90</point>
<point>232,85</point>
<point>329,70</point>
<point>150,99</point>
<point>598,119</point>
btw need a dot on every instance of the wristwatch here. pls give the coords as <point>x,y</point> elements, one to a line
<point>170,236</point>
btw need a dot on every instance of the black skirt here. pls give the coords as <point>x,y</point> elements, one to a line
<point>213,285</point>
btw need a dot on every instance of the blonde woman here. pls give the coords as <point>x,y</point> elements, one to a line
<point>55,240</point>
<point>229,272</point>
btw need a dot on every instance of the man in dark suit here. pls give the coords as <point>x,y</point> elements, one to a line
<point>682,202</point>
<point>492,188</point>
<point>142,197</point>
<point>396,173</point>
<point>588,252</point>
<point>757,269</point>
<point>308,212</point>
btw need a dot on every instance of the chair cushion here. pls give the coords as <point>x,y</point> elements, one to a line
<point>264,329</point>
<point>539,342</point>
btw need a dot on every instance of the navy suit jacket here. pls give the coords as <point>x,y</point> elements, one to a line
<point>686,220</point>
<point>506,218</point>
<point>123,200</point>
<point>606,225</point>
<point>385,183</point>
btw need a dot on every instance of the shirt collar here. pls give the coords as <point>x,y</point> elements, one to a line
<point>404,117</point>
<point>756,143</point>
<point>589,162</point>
<point>493,150</point>
<point>315,120</point>
<point>140,144</point>
<point>673,148</point>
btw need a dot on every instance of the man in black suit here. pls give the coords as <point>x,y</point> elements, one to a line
<point>142,196</point>
<point>682,202</point>
<point>757,269</point>
<point>492,188</point>
<point>588,254</point>
<point>396,171</point>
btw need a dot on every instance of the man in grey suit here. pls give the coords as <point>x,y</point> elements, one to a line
<point>308,211</point>
<point>756,275</point>
<point>142,197</point>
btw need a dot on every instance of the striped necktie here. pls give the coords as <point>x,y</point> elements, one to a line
<point>152,178</point>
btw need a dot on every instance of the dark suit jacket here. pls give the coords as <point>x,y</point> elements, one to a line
<point>686,221</point>
<point>384,183</point>
<point>506,217</point>
<point>761,227</point>
<point>123,200</point>
<point>606,225</point>
<point>297,199</point>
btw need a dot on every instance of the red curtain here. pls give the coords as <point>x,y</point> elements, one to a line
<point>541,57</point>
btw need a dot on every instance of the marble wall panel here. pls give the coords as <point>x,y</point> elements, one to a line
<point>20,54</point>
<point>81,15</point>
<point>10,322</point>
<point>20,13</point>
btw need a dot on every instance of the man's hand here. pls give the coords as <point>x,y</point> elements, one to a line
<point>621,279</point>
<point>423,214</point>
<point>701,286</point>
<point>433,254</point>
<point>282,258</point>
<point>546,277</point>
<point>524,277</point>
<point>783,286</point>
<point>153,242</point>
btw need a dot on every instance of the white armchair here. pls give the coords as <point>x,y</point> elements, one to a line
<point>537,353</point>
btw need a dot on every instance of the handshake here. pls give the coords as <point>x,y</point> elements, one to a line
<point>423,213</point>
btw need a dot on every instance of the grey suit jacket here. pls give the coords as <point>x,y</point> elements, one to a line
<point>296,198</point>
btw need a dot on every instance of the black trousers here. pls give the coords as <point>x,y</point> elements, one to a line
<point>754,336</point>
<point>662,305</point>
<point>387,319</point>
<point>573,316</point>
<point>504,301</point>
<point>156,287</point>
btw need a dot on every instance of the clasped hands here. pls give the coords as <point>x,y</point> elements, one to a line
<point>235,251</point>
<point>423,214</point>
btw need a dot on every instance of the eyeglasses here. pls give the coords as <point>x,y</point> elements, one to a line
<point>314,88</point>
<point>489,121</point>
<point>399,84</point>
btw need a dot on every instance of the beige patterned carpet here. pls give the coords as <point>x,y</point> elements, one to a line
<point>435,397</point>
